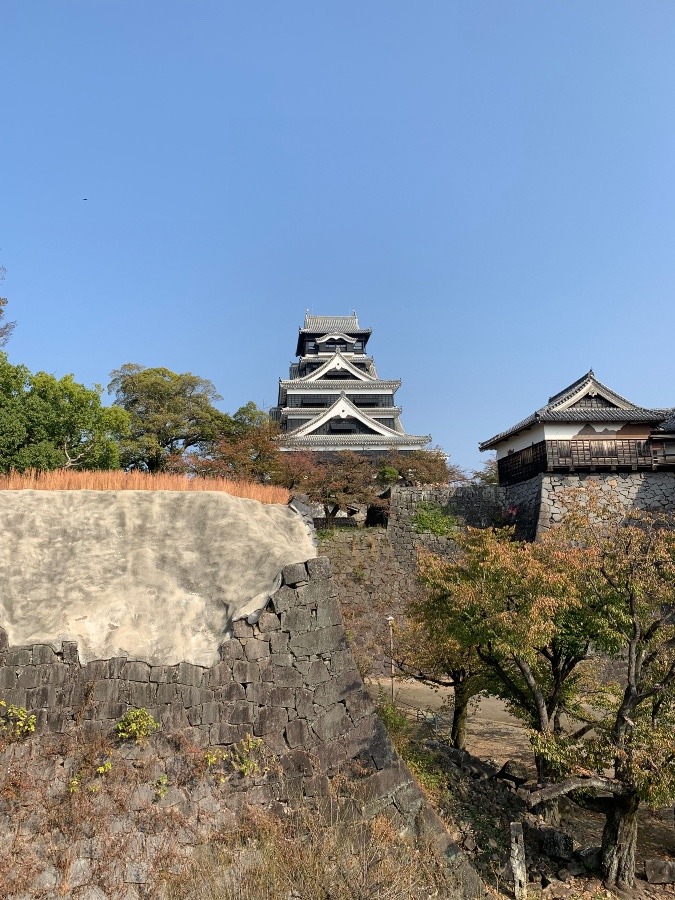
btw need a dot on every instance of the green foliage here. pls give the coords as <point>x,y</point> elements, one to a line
<point>136,725</point>
<point>432,518</point>
<point>248,757</point>
<point>394,719</point>
<point>161,786</point>
<point>15,723</point>
<point>49,423</point>
<point>169,415</point>
<point>6,328</point>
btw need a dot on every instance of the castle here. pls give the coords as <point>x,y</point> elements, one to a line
<point>334,399</point>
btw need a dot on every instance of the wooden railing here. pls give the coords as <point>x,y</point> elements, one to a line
<point>584,455</point>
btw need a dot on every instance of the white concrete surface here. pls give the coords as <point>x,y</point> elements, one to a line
<point>154,575</point>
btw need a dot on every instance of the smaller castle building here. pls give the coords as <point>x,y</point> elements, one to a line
<point>334,399</point>
<point>586,427</point>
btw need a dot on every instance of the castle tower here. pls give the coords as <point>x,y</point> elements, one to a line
<point>333,399</point>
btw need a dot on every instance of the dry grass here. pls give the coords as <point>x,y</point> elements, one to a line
<point>307,859</point>
<point>117,480</point>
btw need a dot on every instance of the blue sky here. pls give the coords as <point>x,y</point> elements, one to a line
<point>489,185</point>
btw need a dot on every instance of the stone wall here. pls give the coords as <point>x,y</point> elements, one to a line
<point>287,677</point>
<point>652,491</point>
<point>372,583</point>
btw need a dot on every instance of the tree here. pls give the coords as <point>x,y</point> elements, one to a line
<point>488,472</point>
<point>345,480</point>
<point>417,467</point>
<point>630,572</point>
<point>6,328</point>
<point>516,606</point>
<point>169,414</point>
<point>246,451</point>
<point>543,618</point>
<point>49,423</point>
<point>427,653</point>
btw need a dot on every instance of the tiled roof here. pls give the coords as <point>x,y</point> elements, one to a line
<point>343,384</point>
<point>330,324</point>
<point>345,440</point>
<point>668,425</point>
<point>624,411</point>
<point>587,379</point>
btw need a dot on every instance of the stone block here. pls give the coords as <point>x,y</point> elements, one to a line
<point>314,594</point>
<point>268,622</point>
<point>259,693</point>
<point>230,650</point>
<point>660,871</point>
<point>283,676</point>
<point>294,574</point>
<point>237,713</point>
<point>319,567</point>
<point>190,674</point>
<point>297,734</point>
<point>298,620</point>
<point>232,691</point>
<point>328,613</point>
<point>283,599</point>
<point>17,656</point>
<point>115,666</point>
<point>141,693</point>
<point>333,724</point>
<point>28,677</point>
<point>56,673</point>
<point>281,659</point>
<point>295,763</point>
<point>210,713</point>
<point>228,734</point>
<point>323,640</point>
<point>269,719</point>
<point>136,670</point>
<point>7,678</point>
<point>194,714</point>
<point>358,705</point>
<point>43,654</point>
<point>93,670</point>
<point>338,688</point>
<point>282,696</point>
<point>166,693</point>
<point>241,629</point>
<point>255,649</point>
<point>245,672</point>
<point>304,703</point>
<point>220,674</point>
<point>193,696</point>
<point>279,642</point>
<point>107,690</point>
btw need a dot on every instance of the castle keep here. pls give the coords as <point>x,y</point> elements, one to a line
<point>333,398</point>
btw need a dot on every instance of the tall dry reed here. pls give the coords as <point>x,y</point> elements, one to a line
<point>117,480</point>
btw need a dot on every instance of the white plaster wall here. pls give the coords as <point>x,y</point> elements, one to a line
<point>155,575</point>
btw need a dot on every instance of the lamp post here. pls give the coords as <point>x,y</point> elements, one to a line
<point>390,620</point>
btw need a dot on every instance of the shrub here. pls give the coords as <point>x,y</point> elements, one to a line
<point>15,723</point>
<point>136,725</point>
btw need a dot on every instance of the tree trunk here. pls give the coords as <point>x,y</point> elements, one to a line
<point>618,842</point>
<point>460,714</point>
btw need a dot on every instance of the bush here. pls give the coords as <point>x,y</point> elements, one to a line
<point>136,725</point>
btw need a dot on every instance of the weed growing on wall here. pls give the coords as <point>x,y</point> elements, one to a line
<point>15,723</point>
<point>136,725</point>
<point>431,518</point>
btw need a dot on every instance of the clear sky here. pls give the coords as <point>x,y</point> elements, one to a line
<point>489,184</point>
